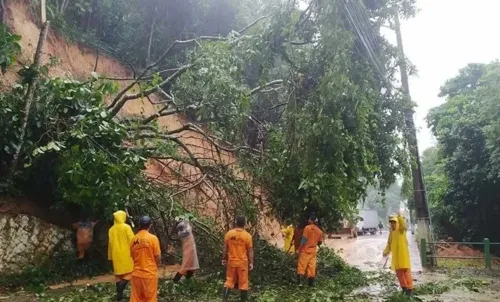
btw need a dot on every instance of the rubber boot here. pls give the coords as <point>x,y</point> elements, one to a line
<point>120,288</point>
<point>177,278</point>
<point>404,290</point>
<point>119,294</point>
<point>243,296</point>
<point>298,279</point>
<point>310,282</point>
<point>189,274</point>
<point>408,292</point>
<point>225,294</point>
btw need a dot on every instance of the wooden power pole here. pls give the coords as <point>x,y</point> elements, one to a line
<point>419,193</point>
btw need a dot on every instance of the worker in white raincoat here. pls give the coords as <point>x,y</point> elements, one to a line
<point>189,255</point>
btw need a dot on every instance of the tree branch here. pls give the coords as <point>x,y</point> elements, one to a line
<point>148,55</point>
<point>113,110</point>
<point>161,113</point>
<point>302,43</point>
<point>241,31</point>
<point>143,78</point>
<point>113,54</point>
<point>190,187</point>
<point>259,88</point>
<point>96,59</point>
<point>122,93</point>
<point>210,139</point>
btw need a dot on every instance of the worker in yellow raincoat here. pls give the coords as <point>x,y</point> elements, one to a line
<point>397,244</point>
<point>287,233</point>
<point>120,236</point>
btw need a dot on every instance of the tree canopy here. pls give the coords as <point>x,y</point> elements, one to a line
<point>462,172</point>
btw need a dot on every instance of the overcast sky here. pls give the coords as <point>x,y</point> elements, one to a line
<point>445,36</point>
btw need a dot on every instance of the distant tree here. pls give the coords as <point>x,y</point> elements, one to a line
<point>386,203</point>
<point>463,181</point>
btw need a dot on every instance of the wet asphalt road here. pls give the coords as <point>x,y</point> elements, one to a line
<point>365,252</point>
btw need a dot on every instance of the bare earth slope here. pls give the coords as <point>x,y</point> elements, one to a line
<point>78,61</point>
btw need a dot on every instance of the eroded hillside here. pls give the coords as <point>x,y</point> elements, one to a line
<point>75,61</point>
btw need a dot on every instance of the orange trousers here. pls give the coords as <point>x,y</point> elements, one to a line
<point>144,290</point>
<point>405,278</point>
<point>236,274</point>
<point>307,264</point>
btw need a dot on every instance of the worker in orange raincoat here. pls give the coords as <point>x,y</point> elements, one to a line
<point>146,253</point>
<point>120,236</point>
<point>312,237</point>
<point>237,256</point>
<point>397,244</point>
<point>287,233</point>
<point>189,255</point>
<point>84,235</point>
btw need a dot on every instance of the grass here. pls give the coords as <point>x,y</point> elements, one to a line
<point>60,268</point>
<point>460,263</point>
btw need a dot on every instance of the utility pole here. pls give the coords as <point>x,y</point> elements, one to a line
<point>419,193</point>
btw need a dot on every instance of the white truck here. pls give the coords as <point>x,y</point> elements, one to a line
<point>370,221</point>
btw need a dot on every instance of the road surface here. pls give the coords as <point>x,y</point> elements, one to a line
<point>365,252</point>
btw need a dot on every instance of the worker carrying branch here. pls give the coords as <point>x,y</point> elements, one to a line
<point>397,244</point>
<point>312,237</point>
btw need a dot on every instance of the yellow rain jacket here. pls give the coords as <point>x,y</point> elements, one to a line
<point>288,236</point>
<point>120,237</point>
<point>397,244</point>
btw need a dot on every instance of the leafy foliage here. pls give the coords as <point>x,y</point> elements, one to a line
<point>9,48</point>
<point>60,268</point>
<point>73,148</point>
<point>463,170</point>
<point>338,132</point>
<point>299,95</point>
<point>335,280</point>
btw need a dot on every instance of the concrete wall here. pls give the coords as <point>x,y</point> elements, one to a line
<point>26,240</point>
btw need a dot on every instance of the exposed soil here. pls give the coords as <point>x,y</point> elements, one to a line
<point>450,249</point>
<point>78,61</point>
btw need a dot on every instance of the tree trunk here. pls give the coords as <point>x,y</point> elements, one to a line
<point>151,32</point>
<point>29,98</point>
<point>2,11</point>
